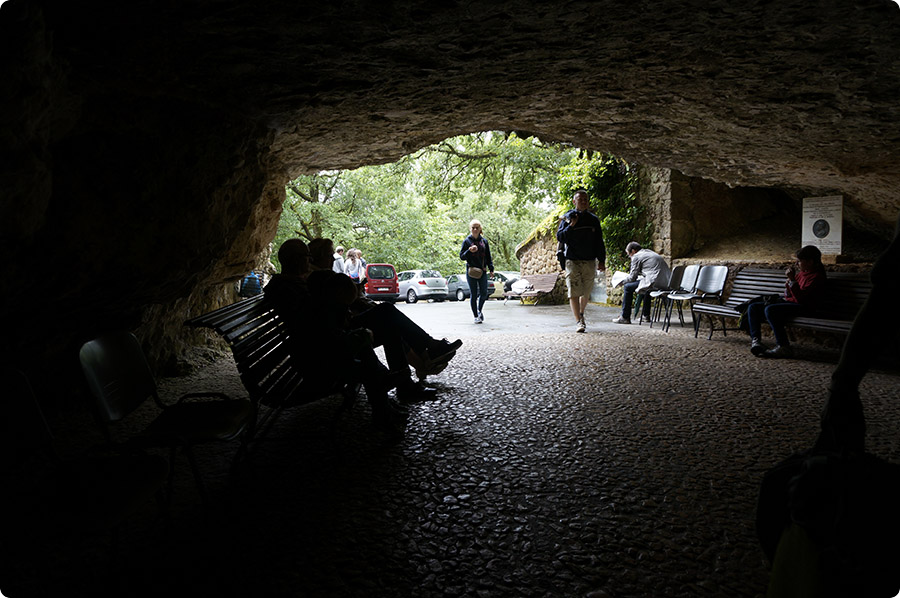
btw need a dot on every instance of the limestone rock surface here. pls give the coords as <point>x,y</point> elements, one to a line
<point>144,145</point>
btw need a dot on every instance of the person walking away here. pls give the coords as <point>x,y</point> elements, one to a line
<point>649,271</point>
<point>476,252</point>
<point>579,230</point>
<point>802,292</point>
<point>338,265</point>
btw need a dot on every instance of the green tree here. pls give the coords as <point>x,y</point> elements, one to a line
<point>414,213</point>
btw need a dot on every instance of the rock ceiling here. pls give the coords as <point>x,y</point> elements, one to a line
<point>146,144</point>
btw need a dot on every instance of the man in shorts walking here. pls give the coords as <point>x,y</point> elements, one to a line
<point>579,231</point>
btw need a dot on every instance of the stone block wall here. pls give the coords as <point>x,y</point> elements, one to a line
<point>537,255</point>
<point>655,193</point>
<point>692,220</point>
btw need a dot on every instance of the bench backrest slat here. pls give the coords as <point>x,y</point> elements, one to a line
<point>223,315</point>
<point>261,345</point>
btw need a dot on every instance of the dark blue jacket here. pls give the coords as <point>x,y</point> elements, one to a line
<point>584,241</point>
<point>478,259</point>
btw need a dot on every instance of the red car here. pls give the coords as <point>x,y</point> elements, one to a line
<point>381,282</point>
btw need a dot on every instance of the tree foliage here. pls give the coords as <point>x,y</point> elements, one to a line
<point>414,213</point>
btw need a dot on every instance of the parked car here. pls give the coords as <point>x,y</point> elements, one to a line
<point>381,283</point>
<point>503,280</point>
<point>422,284</point>
<point>458,287</point>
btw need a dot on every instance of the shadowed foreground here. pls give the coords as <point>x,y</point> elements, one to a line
<point>624,462</point>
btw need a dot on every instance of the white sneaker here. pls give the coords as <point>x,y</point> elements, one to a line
<point>581,325</point>
<point>621,320</point>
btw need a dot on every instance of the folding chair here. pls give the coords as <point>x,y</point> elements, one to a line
<point>685,288</point>
<point>659,297</point>
<point>710,283</point>
<point>94,490</point>
<point>121,381</point>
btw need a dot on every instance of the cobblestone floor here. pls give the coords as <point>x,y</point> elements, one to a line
<point>620,463</point>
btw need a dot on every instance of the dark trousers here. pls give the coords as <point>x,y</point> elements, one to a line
<point>393,330</point>
<point>628,297</point>
<point>776,314</point>
<point>479,289</point>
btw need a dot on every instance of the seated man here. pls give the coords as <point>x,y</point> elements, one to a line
<point>404,341</point>
<point>323,352</point>
<point>648,271</point>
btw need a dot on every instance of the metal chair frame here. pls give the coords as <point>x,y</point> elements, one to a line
<point>710,282</point>
<point>121,381</point>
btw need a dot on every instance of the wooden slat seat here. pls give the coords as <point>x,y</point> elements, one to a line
<point>844,295</point>
<point>540,285</point>
<point>260,343</point>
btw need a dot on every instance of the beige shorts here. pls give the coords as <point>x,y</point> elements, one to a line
<point>580,277</point>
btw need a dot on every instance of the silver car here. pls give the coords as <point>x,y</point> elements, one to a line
<point>458,287</point>
<point>422,284</point>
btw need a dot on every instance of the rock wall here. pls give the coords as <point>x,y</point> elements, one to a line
<point>688,213</point>
<point>144,146</point>
<point>655,194</point>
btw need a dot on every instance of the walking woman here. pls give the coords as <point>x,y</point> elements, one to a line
<point>477,254</point>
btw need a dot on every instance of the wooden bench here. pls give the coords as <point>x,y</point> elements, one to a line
<point>259,342</point>
<point>538,286</point>
<point>844,295</point>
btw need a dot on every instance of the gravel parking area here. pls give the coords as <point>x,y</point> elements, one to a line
<point>621,462</point>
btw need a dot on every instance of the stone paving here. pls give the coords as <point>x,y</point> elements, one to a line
<point>624,462</point>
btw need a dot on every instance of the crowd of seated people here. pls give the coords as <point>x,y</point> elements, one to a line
<point>334,330</point>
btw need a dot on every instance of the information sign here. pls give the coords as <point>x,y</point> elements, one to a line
<point>822,223</point>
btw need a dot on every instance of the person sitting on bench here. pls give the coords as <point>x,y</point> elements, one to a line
<point>804,287</point>
<point>404,341</point>
<point>316,340</point>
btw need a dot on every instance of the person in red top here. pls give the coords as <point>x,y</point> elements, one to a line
<point>804,287</point>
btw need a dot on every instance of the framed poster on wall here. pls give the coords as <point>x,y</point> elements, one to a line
<point>822,223</point>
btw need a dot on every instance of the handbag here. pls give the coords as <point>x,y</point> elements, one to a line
<point>475,273</point>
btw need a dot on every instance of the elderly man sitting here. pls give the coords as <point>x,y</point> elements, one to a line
<point>649,271</point>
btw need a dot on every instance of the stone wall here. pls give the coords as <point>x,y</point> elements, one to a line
<point>655,194</point>
<point>537,255</point>
<point>688,213</point>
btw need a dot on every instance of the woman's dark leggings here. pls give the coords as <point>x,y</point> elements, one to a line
<point>479,290</point>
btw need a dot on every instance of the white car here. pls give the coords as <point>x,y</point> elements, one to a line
<point>422,284</point>
<point>502,280</point>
